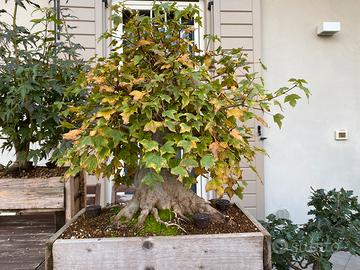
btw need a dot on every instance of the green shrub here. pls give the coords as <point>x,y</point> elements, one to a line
<point>36,67</point>
<point>334,226</point>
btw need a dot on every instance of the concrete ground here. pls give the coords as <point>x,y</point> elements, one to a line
<point>345,261</point>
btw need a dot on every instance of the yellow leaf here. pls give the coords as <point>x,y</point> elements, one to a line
<point>215,148</point>
<point>152,126</point>
<point>72,134</point>
<point>208,61</point>
<point>137,95</point>
<point>138,80</point>
<point>185,60</point>
<point>236,134</point>
<point>99,80</point>
<point>166,66</point>
<point>261,120</point>
<point>106,114</point>
<point>215,184</point>
<point>236,112</point>
<point>109,100</point>
<point>92,133</point>
<point>143,42</point>
<point>216,103</point>
<point>126,115</point>
<point>106,89</point>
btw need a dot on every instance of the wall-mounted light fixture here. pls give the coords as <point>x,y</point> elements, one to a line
<point>328,28</point>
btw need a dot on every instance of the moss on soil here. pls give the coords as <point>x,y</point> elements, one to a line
<point>151,226</point>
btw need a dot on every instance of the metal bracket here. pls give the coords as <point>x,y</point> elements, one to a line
<point>210,3</point>
<point>259,132</point>
<point>106,3</point>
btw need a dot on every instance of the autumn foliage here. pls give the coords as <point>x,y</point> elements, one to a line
<point>162,103</point>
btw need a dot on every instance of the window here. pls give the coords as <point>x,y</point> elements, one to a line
<point>145,8</point>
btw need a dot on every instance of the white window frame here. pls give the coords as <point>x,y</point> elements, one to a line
<point>199,41</point>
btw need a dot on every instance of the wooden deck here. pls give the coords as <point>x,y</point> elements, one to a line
<point>22,240</point>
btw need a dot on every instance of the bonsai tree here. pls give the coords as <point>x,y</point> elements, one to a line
<point>35,69</point>
<point>160,112</point>
<point>334,226</point>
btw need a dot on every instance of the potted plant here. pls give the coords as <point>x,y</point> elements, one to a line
<point>36,68</point>
<point>334,227</point>
<point>159,113</point>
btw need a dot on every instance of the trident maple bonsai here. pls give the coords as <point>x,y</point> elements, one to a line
<point>35,70</point>
<point>160,112</point>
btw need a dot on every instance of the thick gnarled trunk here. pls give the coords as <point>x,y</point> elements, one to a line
<point>170,194</point>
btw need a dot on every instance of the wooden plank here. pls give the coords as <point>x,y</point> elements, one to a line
<point>77,3</point>
<point>81,14</point>
<point>32,193</point>
<point>237,42</point>
<point>243,251</point>
<point>75,195</point>
<point>81,27</point>
<point>221,251</point>
<point>54,237</point>
<point>236,5</point>
<point>237,30</point>
<point>234,17</point>
<point>22,240</point>
<point>87,41</point>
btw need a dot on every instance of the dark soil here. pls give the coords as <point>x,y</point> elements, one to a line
<point>34,172</point>
<point>102,226</point>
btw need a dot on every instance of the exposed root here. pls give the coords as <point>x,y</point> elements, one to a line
<point>155,213</point>
<point>170,194</point>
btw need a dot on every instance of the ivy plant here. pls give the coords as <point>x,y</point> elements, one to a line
<point>35,69</point>
<point>334,226</point>
<point>160,112</point>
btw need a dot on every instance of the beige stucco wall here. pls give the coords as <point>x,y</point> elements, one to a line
<point>304,153</point>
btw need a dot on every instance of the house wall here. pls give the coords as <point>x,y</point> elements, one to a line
<point>24,16</point>
<point>304,153</point>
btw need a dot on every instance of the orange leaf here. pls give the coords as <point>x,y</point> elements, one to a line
<point>215,148</point>
<point>144,42</point>
<point>236,134</point>
<point>72,134</point>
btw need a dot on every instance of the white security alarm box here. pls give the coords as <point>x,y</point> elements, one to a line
<point>341,135</point>
<point>328,28</point>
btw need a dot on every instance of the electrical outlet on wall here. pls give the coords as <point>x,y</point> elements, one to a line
<point>341,135</point>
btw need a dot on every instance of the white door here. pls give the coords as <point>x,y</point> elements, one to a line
<point>238,23</point>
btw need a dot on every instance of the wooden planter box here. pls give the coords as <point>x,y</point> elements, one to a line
<point>238,251</point>
<point>34,195</point>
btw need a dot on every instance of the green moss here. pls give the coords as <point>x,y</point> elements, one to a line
<point>151,227</point>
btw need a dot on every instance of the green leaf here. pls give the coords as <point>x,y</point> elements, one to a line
<point>149,145</point>
<point>278,119</point>
<point>167,148</point>
<point>152,179</point>
<point>186,145</point>
<point>292,99</point>
<point>66,124</point>
<point>207,161</point>
<point>170,114</point>
<point>170,125</point>
<point>155,162</point>
<point>180,171</point>
<point>117,135</point>
<point>184,128</point>
<point>188,162</point>
<point>239,191</point>
<point>90,163</point>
